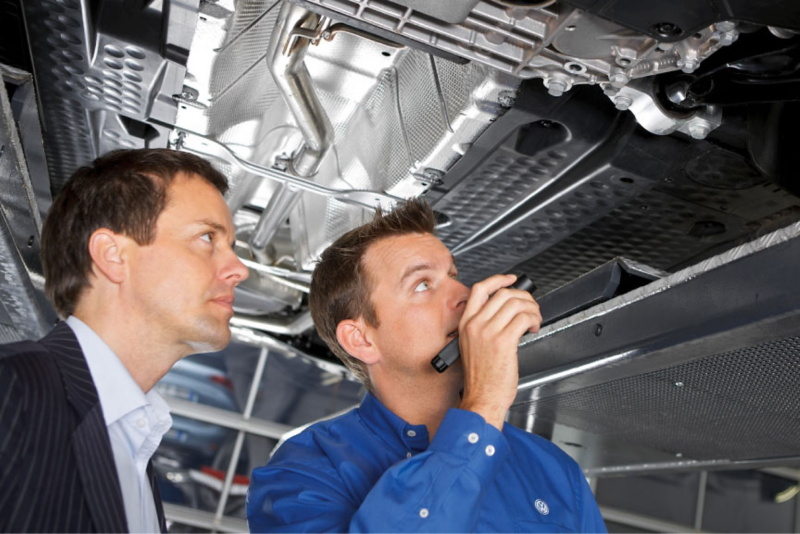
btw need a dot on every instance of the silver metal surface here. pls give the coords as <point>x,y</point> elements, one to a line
<point>661,368</point>
<point>686,466</point>
<point>515,206</point>
<point>19,201</point>
<point>647,524</point>
<point>638,97</point>
<point>702,485</point>
<point>688,275</point>
<point>25,108</point>
<point>100,78</point>
<point>654,228</point>
<point>553,182</point>
<point>298,277</point>
<point>237,448</point>
<point>561,45</point>
<point>295,30</point>
<point>19,230</point>
<point>226,418</point>
<point>289,326</point>
<point>204,146</point>
<point>260,339</point>
<point>207,520</point>
<point>398,116</point>
<point>264,293</point>
<point>282,201</point>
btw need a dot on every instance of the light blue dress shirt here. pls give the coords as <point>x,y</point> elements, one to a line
<point>136,423</point>
<point>370,471</point>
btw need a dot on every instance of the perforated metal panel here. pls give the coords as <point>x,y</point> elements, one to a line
<point>736,405</point>
<point>557,211</point>
<point>92,70</point>
<point>654,228</point>
<point>495,185</point>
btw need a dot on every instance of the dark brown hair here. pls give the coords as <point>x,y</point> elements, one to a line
<point>341,286</point>
<point>124,191</point>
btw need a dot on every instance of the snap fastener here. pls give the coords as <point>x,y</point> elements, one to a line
<point>490,450</point>
<point>473,438</point>
<point>423,513</point>
<point>411,434</point>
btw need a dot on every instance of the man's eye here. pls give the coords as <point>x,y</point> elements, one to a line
<point>422,286</point>
<point>207,236</point>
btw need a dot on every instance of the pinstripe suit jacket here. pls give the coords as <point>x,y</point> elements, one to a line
<point>57,470</point>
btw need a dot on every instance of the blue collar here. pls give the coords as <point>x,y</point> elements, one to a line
<point>398,435</point>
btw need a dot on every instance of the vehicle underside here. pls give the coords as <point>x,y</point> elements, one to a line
<point>638,162</point>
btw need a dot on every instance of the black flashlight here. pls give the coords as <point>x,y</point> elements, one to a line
<point>451,353</point>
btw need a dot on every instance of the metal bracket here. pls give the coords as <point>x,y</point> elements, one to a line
<point>205,146</point>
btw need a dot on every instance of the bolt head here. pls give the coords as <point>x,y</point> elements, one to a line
<point>619,79</point>
<point>667,29</point>
<point>623,102</point>
<point>555,87</point>
<point>688,65</point>
<point>699,131</point>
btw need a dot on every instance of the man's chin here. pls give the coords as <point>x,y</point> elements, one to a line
<point>210,337</point>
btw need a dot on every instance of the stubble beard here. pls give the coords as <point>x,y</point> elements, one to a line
<point>207,334</point>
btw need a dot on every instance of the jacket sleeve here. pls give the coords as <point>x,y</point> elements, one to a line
<point>440,489</point>
<point>12,423</point>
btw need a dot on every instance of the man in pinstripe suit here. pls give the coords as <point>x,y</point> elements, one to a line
<point>137,255</point>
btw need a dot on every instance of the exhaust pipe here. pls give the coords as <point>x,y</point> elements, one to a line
<point>294,31</point>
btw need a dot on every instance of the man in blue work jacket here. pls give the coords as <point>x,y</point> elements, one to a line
<point>417,455</point>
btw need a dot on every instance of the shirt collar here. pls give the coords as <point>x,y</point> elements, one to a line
<point>398,434</point>
<point>118,392</point>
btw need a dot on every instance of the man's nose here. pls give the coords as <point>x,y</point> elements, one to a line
<point>459,293</point>
<point>234,270</point>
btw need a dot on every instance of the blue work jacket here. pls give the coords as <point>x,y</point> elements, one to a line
<point>370,471</point>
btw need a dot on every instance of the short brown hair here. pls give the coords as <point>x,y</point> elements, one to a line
<point>124,191</point>
<point>341,286</point>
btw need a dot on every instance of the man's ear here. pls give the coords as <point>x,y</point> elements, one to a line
<point>106,249</point>
<point>353,336</point>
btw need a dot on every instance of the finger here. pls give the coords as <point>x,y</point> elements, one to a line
<point>510,309</point>
<point>520,324</point>
<point>484,325</point>
<point>497,301</point>
<point>481,292</point>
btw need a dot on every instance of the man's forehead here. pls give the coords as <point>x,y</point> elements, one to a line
<point>193,200</point>
<point>397,254</point>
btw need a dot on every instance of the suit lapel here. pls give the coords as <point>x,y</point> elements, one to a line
<point>162,522</point>
<point>90,441</point>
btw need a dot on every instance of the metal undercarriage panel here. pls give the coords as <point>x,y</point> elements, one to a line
<point>661,370</point>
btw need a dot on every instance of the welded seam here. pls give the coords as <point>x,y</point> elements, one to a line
<point>439,92</point>
<point>396,76</point>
